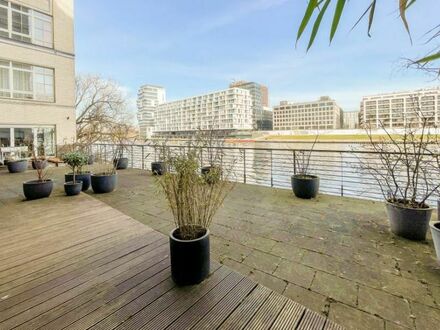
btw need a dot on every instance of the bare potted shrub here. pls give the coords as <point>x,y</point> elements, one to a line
<point>41,160</point>
<point>403,171</point>
<point>75,160</point>
<point>105,177</point>
<point>119,136</point>
<point>304,184</point>
<point>211,143</point>
<point>193,203</point>
<point>40,188</point>
<point>161,150</point>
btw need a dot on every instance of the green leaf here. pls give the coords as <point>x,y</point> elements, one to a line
<point>317,24</point>
<point>336,18</point>
<point>373,3</point>
<point>429,58</point>
<point>313,4</point>
<point>403,5</point>
<point>371,17</point>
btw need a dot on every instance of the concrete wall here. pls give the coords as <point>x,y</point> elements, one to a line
<point>60,113</point>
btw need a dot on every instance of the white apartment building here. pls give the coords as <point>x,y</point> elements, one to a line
<point>321,114</point>
<point>227,110</point>
<point>350,119</point>
<point>37,74</point>
<point>401,108</point>
<point>149,97</point>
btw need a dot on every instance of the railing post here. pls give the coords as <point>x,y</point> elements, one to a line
<point>271,168</point>
<point>244,165</point>
<point>342,175</point>
<point>294,161</point>
<point>143,156</point>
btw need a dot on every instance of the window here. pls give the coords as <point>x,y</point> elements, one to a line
<point>25,24</point>
<point>24,81</point>
<point>5,137</point>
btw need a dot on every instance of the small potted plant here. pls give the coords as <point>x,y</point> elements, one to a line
<point>304,184</point>
<point>193,203</point>
<point>79,173</point>
<point>75,160</point>
<point>159,167</point>
<point>40,188</point>
<point>40,161</point>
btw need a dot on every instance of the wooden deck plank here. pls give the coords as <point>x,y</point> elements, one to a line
<point>96,268</point>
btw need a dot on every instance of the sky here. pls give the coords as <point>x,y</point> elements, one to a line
<point>192,47</point>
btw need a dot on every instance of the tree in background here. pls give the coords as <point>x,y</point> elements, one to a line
<point>430,62</point>
<point>101,109</point>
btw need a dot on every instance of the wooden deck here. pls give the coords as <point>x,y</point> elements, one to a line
<point>76,263</point>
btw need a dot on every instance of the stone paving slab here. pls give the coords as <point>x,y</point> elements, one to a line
<point>334,255</point>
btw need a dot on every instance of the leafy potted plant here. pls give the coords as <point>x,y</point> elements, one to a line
<point>75,160</point>
<point>193,203</point>
<point>403,171</point>
<point>40,188</point>
<point>78,173</point>
<point>304,184</point>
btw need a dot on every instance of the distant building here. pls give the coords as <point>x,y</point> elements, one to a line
<point>350,119</point>
<point>400,109</point>
<point>37,74</point>
<point>149,97</point>
<point>321,114</point>
<point>225,110</point>
<point>260,99</point>
<point>267,120</point>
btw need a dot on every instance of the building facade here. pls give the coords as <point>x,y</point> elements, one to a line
<point>321,114</point>
<point>350,119</point>
<point>400,109</point>
<point>260,99</point>
<point>149,97</point>
<point>37,74</point>
<point>267,121</point>
<point>226,110</point>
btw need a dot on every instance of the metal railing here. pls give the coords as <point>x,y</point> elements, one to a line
<point>339,170</point>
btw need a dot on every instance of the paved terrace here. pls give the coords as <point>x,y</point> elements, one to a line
<point>334,255</point>
<point>77,263</point>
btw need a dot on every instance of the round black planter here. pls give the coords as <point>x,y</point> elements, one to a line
<point>73,189</point>
<point>407,222</point>
<point>305,186</point>
<point>189,259</point>
<point>39,164</point>
<point>17,166</point>
<point>121,163</point>
<point>84,177</point>
<point>158,168</point>
<point>37,189</point>
<point>102,184</point>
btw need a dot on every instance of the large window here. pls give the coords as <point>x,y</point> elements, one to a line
<point>22,23</point>
<point>5,137</point>
<point>24,81</point>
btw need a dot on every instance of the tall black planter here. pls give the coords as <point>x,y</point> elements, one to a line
<point>305,186</point>
<point>84,177</point>
<point>17,166</point>
<point>102,184</point>
<point>121,163</point>
<point>158,168</point>
<point>189,258</point>
<point>407,222</point>
<point>37,189</point>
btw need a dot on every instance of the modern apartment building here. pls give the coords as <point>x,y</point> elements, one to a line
<point>149,97</point>
<point>350,119</point>
<point>225,110</point>
<point>401,108</point>
<point>321,114</point>
<point>37,73</point>
<point>267,120</point>
<point>260,99</point>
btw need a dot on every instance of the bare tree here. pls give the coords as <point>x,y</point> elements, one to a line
<point>101,105</point>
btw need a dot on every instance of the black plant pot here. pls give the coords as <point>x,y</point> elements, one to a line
<point>39,164</point>
<point>189,258</point>
<point>73,189</point>
<point>84,177</point>
<point>408,222</point>
<point>37,189</point>
<point>102,184</point>
<point>121,163</point>
<point>17,166</point>
<point>158,168</point>
<point>305,186</point>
